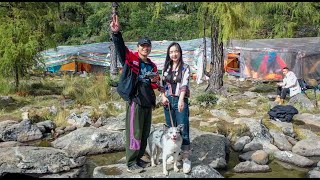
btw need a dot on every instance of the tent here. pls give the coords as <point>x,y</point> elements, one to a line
<point>94,57</point>
<point>89,58</point>
<point>263,59</point>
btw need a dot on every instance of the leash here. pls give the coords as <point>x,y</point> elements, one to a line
<point>172,125</point>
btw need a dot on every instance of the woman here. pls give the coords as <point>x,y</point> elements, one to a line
<point>174,88</point>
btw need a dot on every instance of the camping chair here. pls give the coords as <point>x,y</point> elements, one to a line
<point>304,87</point>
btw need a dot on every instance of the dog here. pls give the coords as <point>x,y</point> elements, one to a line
<point>168,141</point>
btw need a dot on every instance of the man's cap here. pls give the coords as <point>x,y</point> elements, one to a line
<point>144,40</point>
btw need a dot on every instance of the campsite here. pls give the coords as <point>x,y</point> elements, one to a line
<point>61,115</point>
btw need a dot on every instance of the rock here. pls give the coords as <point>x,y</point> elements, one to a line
<point>90,140</point>
<point>48,125</point>
<point>286,127</point>
<point>250,94</point>
<point>240,143</point>
<point>82,120</point>
<point>6,99</point>
<point>22,132</point>
<point>246,112</point>
<point>250,167</point>
<point>70,128</point>
<point>260,157</point>
<point>308,118</point>
<point>10,144</point>
<point>119,171</point>
<point>221,115</point>
<point>252,146</point>
<point>25,115</point>
<point>291,140</point>
<point>4,125</point>
<point>36,160</point>
<point>280,140</point>
<point>306,133</point>
<point>289,157</point>
<point>302,100</point>
<point>246,156</point>
<point>314,173</point>
<point>307,147</point>
<point>53,110</point>
<point>113,123</point>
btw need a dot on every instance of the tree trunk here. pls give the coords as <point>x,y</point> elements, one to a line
<point>216,70</point>
<point>83,16</point>
<point>113,55</point>
<point>16,77</point>
<point>113,64</point>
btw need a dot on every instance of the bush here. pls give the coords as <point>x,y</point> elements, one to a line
<point>5,86</point>
<point>207,98</point>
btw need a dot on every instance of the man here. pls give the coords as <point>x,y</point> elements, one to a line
<point>289,85</point>
<point>138,80</point>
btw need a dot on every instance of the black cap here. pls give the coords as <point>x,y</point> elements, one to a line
<point>144,40</point>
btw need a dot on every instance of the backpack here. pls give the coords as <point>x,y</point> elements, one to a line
<point>127,83</point>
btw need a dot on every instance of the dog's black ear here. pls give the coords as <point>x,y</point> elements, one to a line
<point>180,127</point>
<point>165,127</point>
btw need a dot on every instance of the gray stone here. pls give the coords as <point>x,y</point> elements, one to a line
<point>250,167</point>
<point>90,140</point>
<point>307,147</point>
<point>36,160</point>
<point>240,143</point>
<point>289,157</point>
<point>280,140</point>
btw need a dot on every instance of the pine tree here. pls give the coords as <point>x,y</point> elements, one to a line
<point>26,28</point>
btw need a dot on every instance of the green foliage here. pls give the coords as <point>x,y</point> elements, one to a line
<point>5,86</point>
<point>26,29</point>
<point>207,98</point>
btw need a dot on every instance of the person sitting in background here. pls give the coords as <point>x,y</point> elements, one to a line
<point>289,85</point>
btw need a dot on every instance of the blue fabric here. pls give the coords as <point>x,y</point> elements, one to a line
<point>179,118</point>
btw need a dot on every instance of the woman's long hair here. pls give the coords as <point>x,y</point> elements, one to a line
<point>168,63</point>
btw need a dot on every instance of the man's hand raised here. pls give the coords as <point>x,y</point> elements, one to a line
<point>114,25</point>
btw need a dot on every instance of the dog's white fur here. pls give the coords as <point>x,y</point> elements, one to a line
<point>168,140</point>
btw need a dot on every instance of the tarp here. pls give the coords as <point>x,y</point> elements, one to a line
<point>97,54</point>
<point>263,59</point>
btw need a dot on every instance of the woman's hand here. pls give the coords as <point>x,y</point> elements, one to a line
<point>165,100</point>
<point>114,25</point>
<point>180,105</point>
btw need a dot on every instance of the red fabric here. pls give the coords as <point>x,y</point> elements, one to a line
<point>132,59</point>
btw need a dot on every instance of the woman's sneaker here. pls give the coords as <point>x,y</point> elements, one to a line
<point>186,166</point>
<point>134,169</point>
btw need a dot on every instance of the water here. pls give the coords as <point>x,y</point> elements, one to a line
<point>278,170</point>
<point>94,161</point>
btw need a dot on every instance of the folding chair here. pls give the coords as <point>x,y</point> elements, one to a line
<point>304,87</point>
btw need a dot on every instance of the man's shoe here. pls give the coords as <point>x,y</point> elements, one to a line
<point>143,163</point>
<point>281,102</point>
<point>277,99</point>
<point>134,169</point>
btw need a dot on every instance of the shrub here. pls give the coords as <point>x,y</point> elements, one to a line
<point>207,98</point>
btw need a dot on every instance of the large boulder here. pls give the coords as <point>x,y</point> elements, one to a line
<point>90,140</point>
<point>36,160</point>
